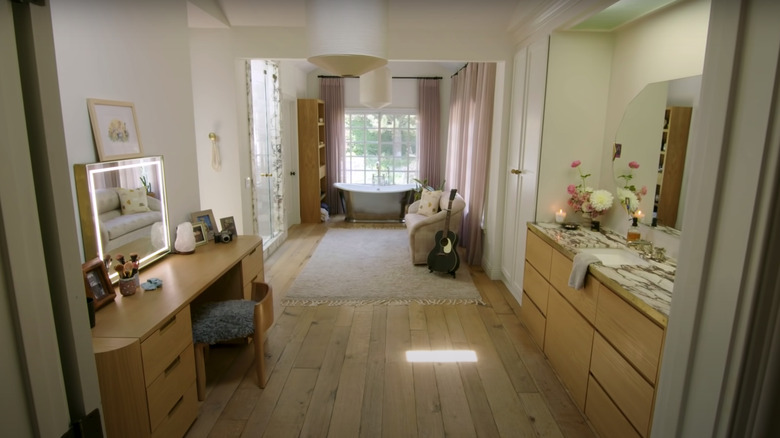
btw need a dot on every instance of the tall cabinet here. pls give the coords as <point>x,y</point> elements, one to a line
<point>311,158</point>
<point>674,144</point>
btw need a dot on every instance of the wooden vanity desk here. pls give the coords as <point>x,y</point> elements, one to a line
<point>143,343</point>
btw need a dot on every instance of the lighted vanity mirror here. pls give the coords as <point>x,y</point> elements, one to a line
<point>123,209</point>
<point>654,133</point>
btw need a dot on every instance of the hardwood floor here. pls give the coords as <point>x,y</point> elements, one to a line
<point>341,371</point>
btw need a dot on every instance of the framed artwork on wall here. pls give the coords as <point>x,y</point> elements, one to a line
<point>96,282</point>
<point>115,129</point>
<point>207,217</point>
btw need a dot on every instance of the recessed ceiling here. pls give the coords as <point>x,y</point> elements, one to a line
<point>620,13</point>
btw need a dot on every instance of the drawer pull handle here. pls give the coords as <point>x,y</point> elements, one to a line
<point>168,324</point>
<point>181,399</point>
<point>173,365</point>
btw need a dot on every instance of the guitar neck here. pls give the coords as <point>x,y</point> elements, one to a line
<point>449,210</point>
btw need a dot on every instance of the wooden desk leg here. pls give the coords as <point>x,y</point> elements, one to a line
<point>200,369</point>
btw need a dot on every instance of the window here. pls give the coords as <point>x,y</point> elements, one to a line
<point>384,140</point>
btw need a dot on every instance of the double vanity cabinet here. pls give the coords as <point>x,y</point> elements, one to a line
<point>604,341</point>
<point>143,342</point>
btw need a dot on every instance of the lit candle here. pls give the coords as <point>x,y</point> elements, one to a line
<point>560,216</point>
<point>639,215</point>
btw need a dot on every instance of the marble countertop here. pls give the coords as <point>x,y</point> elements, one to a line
<point>648,288</point>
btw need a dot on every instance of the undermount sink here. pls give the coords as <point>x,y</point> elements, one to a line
<point>616,256</point>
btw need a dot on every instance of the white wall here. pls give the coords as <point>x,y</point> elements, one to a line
<point>577,90</point>
<point>136,52</point>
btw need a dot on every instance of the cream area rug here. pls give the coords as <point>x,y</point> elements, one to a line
<point>373,266</point>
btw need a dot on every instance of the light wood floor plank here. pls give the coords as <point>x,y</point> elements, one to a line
<point>287,418</point>
<point>541,418</point>
<point>317,420</point>
<point>426,393</point>
<point>346,416</point>
<point>373,397</point>
<point>398,411</point>
<point>507,410</point>
<point>315,346</point>
<point>521,380</point>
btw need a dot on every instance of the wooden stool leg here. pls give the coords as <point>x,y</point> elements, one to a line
<point>200,370</point>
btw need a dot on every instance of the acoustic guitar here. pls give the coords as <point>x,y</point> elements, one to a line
<point>444,256</point>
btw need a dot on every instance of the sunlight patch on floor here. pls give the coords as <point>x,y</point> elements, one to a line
<point>441,356</point>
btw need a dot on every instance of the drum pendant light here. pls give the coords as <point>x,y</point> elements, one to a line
<point>347,37</point>
<point>376,88</point>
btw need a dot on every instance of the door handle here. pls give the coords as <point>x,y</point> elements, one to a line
<point>266,174</point>
<point>516,172</point>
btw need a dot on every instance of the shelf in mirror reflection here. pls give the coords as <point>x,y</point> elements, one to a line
<point>123,210</point>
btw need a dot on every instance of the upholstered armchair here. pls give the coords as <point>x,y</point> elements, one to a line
<point>422,228</point>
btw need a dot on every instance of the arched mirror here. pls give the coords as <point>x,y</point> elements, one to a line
<point>123,209</point>
<point>651,150</point>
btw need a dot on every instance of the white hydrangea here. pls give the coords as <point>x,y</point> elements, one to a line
<point>601,200</point>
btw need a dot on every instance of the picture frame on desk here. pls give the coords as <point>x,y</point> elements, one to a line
<point>96,283</point>
<point>228,224</point>
<point>201,233</point>
<point>207,217</point>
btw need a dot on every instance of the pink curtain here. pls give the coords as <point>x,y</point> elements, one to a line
<point>429,120</point>
<point>468,148</point>
<point>332,93</point>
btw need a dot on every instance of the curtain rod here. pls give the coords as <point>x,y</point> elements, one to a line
<point>394,77</point>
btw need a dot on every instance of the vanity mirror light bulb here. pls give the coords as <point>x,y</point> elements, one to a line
<point>560,216</point>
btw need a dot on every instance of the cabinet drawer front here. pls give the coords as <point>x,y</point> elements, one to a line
<point>536,287</point>
<point>634,335</point>
<point>162,347</point>
<point>533,320</point>
<point>538,253</point>
<point>180,417</point>
<point>568,341</point>
<point>584,300</point>
<point>622,382</point>
<point>605,416</point>
<point>252,266</point>
<point>169,386</point>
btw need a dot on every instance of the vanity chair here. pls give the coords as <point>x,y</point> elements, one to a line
<point>222,321</point>
<point>422,225</point>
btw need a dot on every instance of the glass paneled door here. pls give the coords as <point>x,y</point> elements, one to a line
<point>266,148</point>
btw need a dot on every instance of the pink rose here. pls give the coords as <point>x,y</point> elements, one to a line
<point>572,189</point>
<point>576,163</point>
<point>633,165</point>
<point>643,190</point>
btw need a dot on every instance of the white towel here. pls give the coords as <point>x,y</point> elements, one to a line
<point>579,269</point>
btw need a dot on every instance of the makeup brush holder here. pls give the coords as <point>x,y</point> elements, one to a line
<point>128,286</point>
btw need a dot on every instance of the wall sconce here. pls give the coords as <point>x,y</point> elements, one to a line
<point>346,37</point>
<point>216,160</point>
<point>376,88</point>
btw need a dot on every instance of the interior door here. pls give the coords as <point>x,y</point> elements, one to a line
<point>522,166</point>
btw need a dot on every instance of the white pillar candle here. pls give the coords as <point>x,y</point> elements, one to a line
<point>560,216</point>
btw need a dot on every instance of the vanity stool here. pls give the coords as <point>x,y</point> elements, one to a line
<point>222,321</point>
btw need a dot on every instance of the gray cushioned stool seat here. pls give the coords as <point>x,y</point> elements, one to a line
<point>222,321</point>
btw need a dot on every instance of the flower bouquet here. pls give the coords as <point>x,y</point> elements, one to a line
<point>585,200</point>
<point>628,195</point>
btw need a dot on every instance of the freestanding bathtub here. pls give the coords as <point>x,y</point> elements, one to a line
<point>374,203</point>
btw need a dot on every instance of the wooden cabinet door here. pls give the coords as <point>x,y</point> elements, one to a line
<point>568,342</point>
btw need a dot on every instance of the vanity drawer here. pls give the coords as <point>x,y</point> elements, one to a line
<point>536,287</point>
<point>180,417</point>
<point>568,340</point>
<point>622,383</point>
<point>162,347</point>
<point>169,386</point>
<point>252,266</point>
<point>533,320</point>
<point>584,300</point>
<point>634,335</point>
<point>538,253</point>
<point>606,418</point>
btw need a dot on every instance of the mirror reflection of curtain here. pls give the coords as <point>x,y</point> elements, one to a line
<point>105,180</point>
<point>266,148</point>
<point>130,178</point>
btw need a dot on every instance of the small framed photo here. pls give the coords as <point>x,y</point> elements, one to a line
<point>207,217</point>
<point>96,282</point>
<point>201,233</point>
<point>115,129</point>
<point>228,224</point>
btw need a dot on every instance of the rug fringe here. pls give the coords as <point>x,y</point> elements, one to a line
<point>291,302</point>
